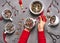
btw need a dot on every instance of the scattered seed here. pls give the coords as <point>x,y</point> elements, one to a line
<point>17,33</point>
<point>1,18</point>
<point>26,8</point>
<point>22,19</point>
<point>20,24</point>
<point>14,14</point>
<point>19,28</point>
<point>23,11</point>
<point>57,3</point>
<point>49,6</point>
<point>48,10</point>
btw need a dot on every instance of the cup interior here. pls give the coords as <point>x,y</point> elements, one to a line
<point>36,7</point>
<point>7,14</point>
<point>29,22</point>
<point>52,19</point>
<point>9,27</point>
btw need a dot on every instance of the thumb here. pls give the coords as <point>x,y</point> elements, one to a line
<point>40,18</point>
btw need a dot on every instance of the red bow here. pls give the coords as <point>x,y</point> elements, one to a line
<point>4,36</point>
<point>43,16</point>
<point>20,2</point>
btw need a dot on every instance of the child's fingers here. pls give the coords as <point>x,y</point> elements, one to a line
<point>39,18</point>
<point>43,18</point>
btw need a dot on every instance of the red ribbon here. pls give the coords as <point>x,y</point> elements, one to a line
<point>20,2</point>
<point>1,18</point>
<point>4,36</point>
<point>42,16</point>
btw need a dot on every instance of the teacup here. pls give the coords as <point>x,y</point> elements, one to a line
<point>54,20</point>
<point>7,14</point>
<point>36,7</point>
<point>29,22</point>
<point>9,28</point>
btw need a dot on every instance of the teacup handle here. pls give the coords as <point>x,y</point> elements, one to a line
<point>5,32</point>
<point>11,19</point>
<point>34,21</point>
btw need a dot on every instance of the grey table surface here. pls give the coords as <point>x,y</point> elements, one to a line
<point>33,36</point>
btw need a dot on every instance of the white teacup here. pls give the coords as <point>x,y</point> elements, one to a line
<point>34,1</point>
<point>33,20</point>
<point>56,21</point>
<point>4,15</point>
<point>7,31</point>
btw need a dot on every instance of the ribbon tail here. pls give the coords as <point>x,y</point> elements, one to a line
<point>4,36</point>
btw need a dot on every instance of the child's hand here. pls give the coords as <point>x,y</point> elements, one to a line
<point>41,23</point>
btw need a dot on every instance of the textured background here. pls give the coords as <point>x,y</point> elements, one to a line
<point>33,36</point>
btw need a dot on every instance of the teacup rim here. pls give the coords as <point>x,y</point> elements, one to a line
<point>41,9</point>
